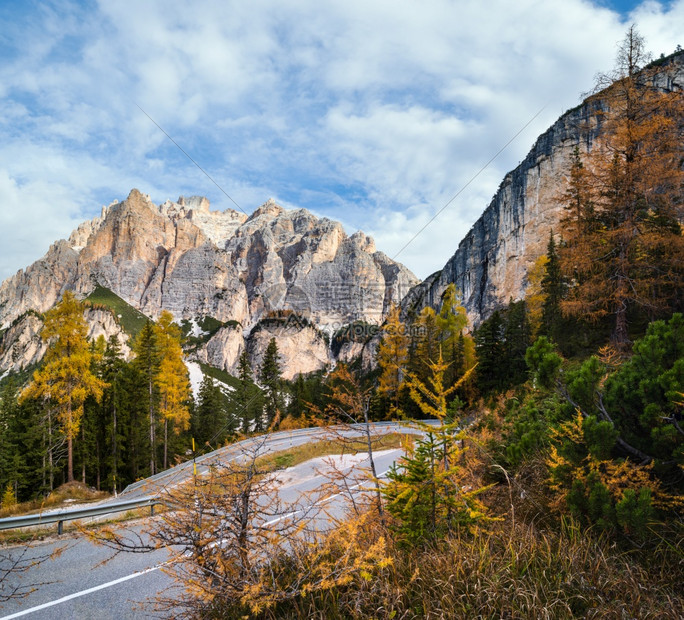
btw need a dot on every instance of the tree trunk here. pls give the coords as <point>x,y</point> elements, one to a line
<point>166,443</point>
<point>83,465</point>
<point>70,459</point>
<point>152,441</point>
<point>621,335</point>
<point>114,460</point>
<point>70,445</point>
<point>434,486</point>
<point>370,458</point>
<point>52,474</point>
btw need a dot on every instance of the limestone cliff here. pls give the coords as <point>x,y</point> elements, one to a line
<point>491,263</point>
<point>183,257</point>
<point>21,345</point>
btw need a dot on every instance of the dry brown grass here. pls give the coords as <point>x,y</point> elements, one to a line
<point>63,496</point>
<point>510,571</point>
<point>328,447</point>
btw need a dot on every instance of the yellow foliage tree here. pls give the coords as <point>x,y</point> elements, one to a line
<point>424,494</point>
<point>66,379</point>
<point>9,499</point>
<point>239,549</point>
<point>432,399</point>
<point>625,247</point>
<point>172,378</point>
<point>535,294</point>
<point>392,357</point>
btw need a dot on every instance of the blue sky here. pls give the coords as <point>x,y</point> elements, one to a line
<point>371,113</point>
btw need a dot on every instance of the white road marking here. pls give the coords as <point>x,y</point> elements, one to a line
<point>109,584</point>
<point>69,597</point>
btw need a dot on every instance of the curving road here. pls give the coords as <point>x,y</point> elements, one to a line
<point>77,585</point>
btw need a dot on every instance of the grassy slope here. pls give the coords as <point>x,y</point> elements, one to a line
<point>131,320</point>
<point>219,375</point>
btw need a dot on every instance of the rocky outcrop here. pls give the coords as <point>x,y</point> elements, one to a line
<point>102,323</point>
<point>183,257</point>
<point>21,345</point>
<point>491,263</point>
<point>223,349</point>
<point>302,349</point>
<point>41,285</point>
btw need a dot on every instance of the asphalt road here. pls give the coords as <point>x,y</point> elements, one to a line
<point>77,585</point>
<point>274,442</point>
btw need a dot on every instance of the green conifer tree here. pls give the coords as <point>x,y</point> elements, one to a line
<point>147,361</point>
<point>553,290</point>
<point>214,424</point>
<point>270,379</point>
<point>246,401</point>
<point>489,346</point>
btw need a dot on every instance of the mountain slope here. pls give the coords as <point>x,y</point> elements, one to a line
<point>491,263</point>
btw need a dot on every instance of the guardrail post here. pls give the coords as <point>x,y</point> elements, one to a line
<point>151,510</point>
<point>60,527</point>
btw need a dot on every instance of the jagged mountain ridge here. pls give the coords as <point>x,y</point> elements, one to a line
<point>491,263</point>
<point>182,257</point>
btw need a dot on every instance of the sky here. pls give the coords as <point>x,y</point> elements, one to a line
<point>376,113</point>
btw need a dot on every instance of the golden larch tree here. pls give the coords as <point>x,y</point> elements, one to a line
<point>392,357</point>
<point>624,242</point>
<point>172,379</point>
<point>66,378</point>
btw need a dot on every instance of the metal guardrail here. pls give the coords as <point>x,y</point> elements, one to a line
<point>61,516</point>
<point>225,451</point>
<point>235,447</point>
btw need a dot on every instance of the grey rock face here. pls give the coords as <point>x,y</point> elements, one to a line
<point>182,257</point>
<point>102,323</point>
<point>22,346</point>
<point>302,350</point>
<point>491,263</point>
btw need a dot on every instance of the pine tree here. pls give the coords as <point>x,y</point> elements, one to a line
<point>113,412</point>
<point>66,377</point>
<point>270,379</point>
<point>299,397</point>
<point>554,290</point>
<point>424,493</point>
<point>516,341</point>
<point>246,401</point>
<point>489,346</point>
<point>9,441</point>
<point>214,424</point>
<point>133,423</point>
<point>147,361</point>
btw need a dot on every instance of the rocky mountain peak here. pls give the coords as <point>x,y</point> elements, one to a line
<point>363,241</point>
<point>197,263</point>
<point>194,203</point>
<point>270,209</point>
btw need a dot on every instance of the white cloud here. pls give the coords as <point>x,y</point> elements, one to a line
<point>373,113</point>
